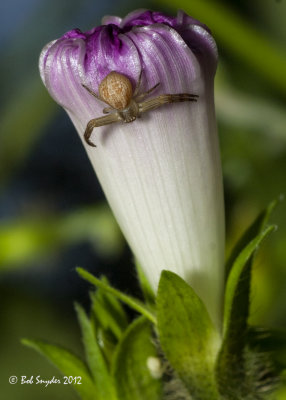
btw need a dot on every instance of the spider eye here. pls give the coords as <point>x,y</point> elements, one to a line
<point>116,90</point>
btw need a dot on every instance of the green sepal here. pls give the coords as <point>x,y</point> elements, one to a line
<point>254,229</point>
<point>187,335</point>
<point>129,300</point>
<point>231,369</point>
<point>132,377</point>
<point>110,320</point>
<point>68,364</point>
<point>98,367</point>
<point>237,286</point>
<point>147,291</point>
<point>108,311</point>
<point>107,344</point>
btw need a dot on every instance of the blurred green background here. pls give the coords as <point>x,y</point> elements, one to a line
<point>53,215</point>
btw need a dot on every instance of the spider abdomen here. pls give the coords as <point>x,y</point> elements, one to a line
<point>116,90</point>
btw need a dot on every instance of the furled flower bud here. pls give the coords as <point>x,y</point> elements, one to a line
<point>161,173</point>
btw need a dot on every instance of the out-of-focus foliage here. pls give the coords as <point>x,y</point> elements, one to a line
<point>22,119</point>
<point>51,204</point>
<point>24,241</point>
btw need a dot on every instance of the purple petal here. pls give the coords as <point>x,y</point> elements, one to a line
<point>165,58</point>
<point>111,19</point>
<point>145,18</point>
<point>88,57</point>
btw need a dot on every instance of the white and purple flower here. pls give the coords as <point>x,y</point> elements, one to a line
<point>161,173</point>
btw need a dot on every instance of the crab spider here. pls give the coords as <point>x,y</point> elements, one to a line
<point>124,104</point>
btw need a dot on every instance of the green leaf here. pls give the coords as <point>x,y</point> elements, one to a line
<point>255,228</point>
<point>95,359</point>
<point>237,287</point>
<point>104,319</point>
<point>113,304</point>
<point>68,364</point>
<point>108,311</point>
<point>237,299</point>
<point>146,288</point>
<point>187,335</point>
<point>132,376</point>
<point>130,301</point>
<point>110,320</point>
<point>231,368</point>
<point>107,343</point>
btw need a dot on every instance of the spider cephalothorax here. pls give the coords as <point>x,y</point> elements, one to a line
<point>124,104</point>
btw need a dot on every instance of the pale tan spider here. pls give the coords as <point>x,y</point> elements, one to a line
<point>116,91</point>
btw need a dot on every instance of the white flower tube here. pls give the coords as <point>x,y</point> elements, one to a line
<point>161,173</point>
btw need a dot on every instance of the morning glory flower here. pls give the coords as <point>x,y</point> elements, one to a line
<point>161,173</point>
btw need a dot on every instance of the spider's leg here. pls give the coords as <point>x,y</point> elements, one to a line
<point>101,121</point>
<point>107,110</point>
<point>137,87</point>
<point>91,91</point>
<point>165,99</point>
<point>142,95</point>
